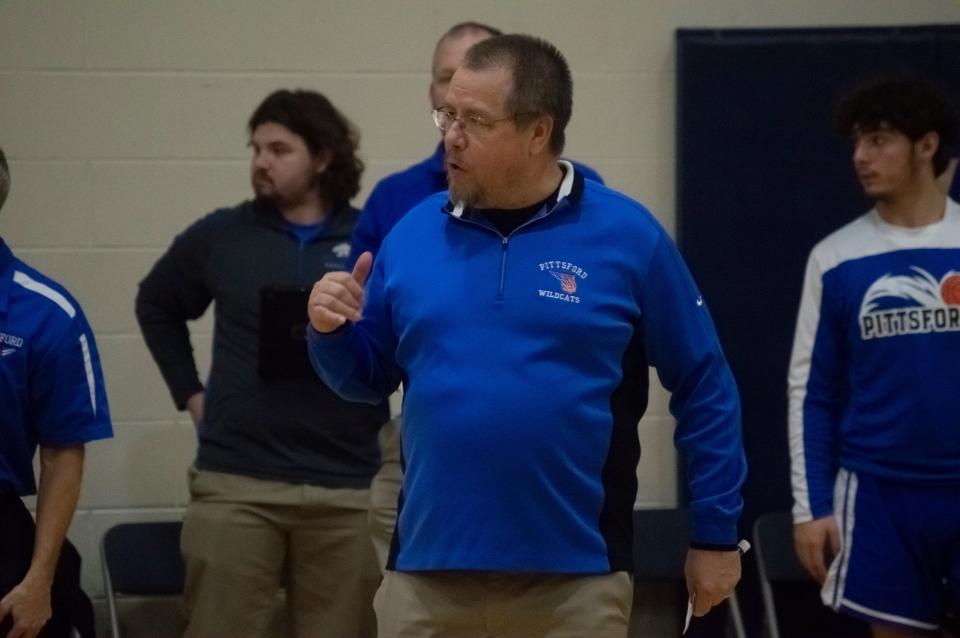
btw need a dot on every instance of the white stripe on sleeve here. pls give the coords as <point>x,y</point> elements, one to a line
<point>43,289</point>
<point>808,319</point>
<point>88,368</point>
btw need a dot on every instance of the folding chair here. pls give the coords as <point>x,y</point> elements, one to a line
<point>780,568</point>
<point>140,559</point>
<point>660,544</point>
<point>777,562</point>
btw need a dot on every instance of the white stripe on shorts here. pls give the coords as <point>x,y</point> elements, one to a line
<point>834,588</point>
<point>879,615</point>
<point>844,512</point>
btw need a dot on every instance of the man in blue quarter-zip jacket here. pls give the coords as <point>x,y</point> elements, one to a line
<point>521,311</point>
<point>390,199</point>
<point>874,433</point>
<point>284,465</point>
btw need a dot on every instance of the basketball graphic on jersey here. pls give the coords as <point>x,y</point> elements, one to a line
<point>950,289</point>
<point>568,283</point>
<point>896,305</point>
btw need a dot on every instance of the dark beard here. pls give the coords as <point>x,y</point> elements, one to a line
<point>266,201</point>
<point>278,201</point>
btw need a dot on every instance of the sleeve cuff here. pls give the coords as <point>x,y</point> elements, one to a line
<point>180,395</point>
<point>710,533</point>
<point>714,547</point>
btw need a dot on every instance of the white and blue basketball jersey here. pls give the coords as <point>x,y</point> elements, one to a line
<point>875,372</point>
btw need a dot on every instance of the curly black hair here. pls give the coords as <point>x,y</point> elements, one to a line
<point>322,127</point>
<point>911,106</point>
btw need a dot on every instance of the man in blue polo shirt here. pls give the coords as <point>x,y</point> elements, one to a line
<point>52,393</point>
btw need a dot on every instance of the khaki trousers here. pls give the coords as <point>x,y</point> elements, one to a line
<point>243,537</point>
<point>503,605</point>
<point>385,490</point>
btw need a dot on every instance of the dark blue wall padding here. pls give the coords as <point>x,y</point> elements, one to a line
<point>761,177</point>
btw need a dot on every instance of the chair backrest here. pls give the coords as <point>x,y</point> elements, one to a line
<point>777,562</point>
<point>141,559</point>
<point>144,558</point>
<point>660,544</point>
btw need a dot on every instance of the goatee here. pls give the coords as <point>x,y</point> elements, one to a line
<point>460,193</point>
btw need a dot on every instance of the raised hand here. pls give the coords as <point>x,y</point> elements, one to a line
<point>338,296</point>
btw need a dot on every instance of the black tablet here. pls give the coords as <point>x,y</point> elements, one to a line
<point>283,334</point>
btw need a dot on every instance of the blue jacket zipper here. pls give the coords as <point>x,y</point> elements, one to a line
<point>504,242</point>
<point>503,268</point>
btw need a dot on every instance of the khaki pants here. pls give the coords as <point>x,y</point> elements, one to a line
<point>503,605</point>
<point>242,537</point>
<point>385,490</point>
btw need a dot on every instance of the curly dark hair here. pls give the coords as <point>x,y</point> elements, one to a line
<point>910,106</point>
<point>322,127</point>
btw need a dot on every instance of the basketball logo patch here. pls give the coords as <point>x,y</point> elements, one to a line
<point>567,273</point>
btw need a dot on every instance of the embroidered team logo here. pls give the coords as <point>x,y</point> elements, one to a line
<point>568,282</point>
<point>10,344</point>
<point>342,250</point>
<point>567,274</point>
<point>911,304</point>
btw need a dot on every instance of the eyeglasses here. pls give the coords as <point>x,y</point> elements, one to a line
<point>471,124</point>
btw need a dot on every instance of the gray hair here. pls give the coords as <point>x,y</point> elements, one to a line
<point>542,84</point>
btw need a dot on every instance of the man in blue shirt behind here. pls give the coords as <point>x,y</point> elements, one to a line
<point>52,393</point>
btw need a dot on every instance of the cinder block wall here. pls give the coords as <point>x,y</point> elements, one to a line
<point>124,122</point>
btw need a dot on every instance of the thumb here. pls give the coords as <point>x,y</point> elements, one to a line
<point>361,269</point>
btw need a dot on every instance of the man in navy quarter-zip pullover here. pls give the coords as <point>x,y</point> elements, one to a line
<point>521,310</point>
<point>284,465</point>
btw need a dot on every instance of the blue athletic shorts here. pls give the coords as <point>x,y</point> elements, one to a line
<point>899,561</point>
